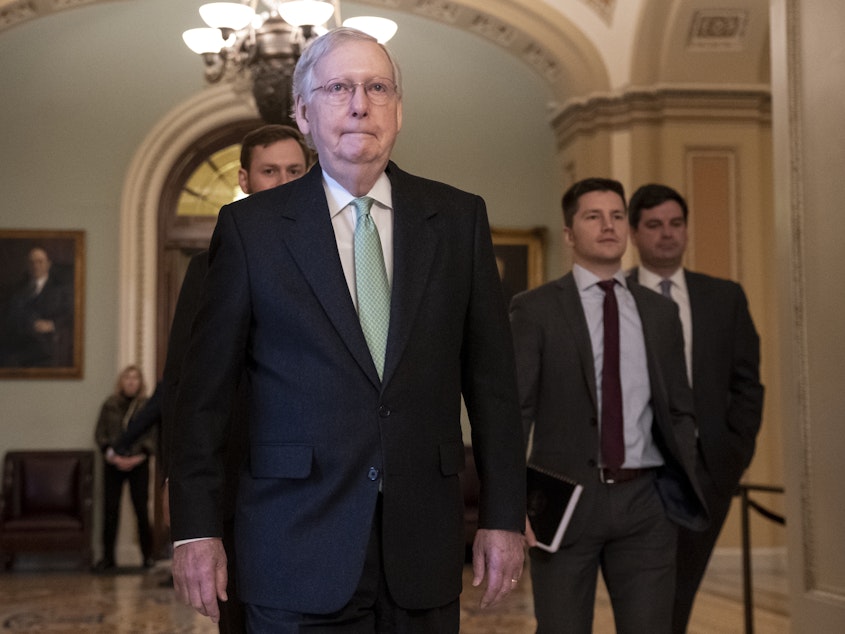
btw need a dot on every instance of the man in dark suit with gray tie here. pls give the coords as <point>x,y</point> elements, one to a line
<point>723,359</point>
<point>349,508</point>
<point>601,381</point>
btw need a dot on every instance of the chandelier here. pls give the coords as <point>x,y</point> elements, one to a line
<point>262,48</point>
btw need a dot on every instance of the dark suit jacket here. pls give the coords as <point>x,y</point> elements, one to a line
<point>20,344</point>
<point>725,377</point>
<point>325,434</point>
<point>177,347</point>
<point>162,403</point>
<point>557,388</point>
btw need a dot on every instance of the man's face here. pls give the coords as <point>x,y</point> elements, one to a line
<point>357,134</point>
<point>272,165</point>
<point>39,263</point>
<point>599,232</point>
<point>661,236</point>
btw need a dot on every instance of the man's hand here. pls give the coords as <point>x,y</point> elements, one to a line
<point>127,463</point>
<point>499,555</point>
<point>44,326</point>
<point>199,575</point>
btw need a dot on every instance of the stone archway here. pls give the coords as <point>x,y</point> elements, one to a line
<point>206,111</point>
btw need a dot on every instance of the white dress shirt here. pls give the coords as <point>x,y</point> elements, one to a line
<point>680,295</point>
<point>39,285</point>
<point>640,448</point>
<point>343,217</point>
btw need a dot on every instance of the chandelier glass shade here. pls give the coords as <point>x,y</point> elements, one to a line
<point>264,47</point>
<point>305,12</point>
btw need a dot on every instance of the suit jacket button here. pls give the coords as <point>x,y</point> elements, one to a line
<point>372,474</point>
<point>384,411</point>
<point>591,463</point>
<point>594,422</point>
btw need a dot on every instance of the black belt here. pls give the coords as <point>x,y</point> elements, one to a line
<point>617,476</point>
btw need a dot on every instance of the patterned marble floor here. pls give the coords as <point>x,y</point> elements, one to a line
<point>134,601</point>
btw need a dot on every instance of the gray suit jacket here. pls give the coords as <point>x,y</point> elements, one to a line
<point>558,395</point>
<point>326,436</point>
<point>725,377</point>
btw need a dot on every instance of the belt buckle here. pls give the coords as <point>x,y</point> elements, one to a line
<point>603,478</point>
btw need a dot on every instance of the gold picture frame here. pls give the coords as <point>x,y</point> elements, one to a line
<point>520,256</point>
<point>42,299</point>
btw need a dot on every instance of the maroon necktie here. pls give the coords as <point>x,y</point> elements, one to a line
<point>612,437</point>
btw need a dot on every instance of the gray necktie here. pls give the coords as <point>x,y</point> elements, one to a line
<point>371,283</point>
<point>666,288</point>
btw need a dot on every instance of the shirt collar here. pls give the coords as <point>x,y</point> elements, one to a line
<point>652,280</point>
<point>584,279</point>
<point>338,198</point>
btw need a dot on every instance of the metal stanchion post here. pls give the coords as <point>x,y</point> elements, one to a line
<point>747,592</point>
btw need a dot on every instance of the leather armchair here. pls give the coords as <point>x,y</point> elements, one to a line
<point>47,503</point>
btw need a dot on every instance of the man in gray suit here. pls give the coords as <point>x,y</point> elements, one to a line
<point>723,358</point>
<point>635,495</point>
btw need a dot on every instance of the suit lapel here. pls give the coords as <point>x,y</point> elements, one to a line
<point>414,246</point>
<point>659,389</point>
<point>573,316</point>
<point>310,238</point>
<point>697,299</point>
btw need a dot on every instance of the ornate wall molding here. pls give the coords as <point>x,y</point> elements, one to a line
<point>604,8</point>
<point>14,12</point>
<point>798,289</point>
<point>660,104</point>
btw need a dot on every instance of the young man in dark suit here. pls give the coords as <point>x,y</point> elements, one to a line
<point>601,382</point>
<point>349,508</point>
<point>271,155</point>
<point>723,359</point>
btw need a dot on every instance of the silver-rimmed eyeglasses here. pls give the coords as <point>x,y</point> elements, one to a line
<point>339,91</point>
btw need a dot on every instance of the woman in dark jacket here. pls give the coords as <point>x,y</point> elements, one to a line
<point>128,398</point>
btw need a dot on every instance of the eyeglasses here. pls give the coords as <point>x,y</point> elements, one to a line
<point>339,92</point>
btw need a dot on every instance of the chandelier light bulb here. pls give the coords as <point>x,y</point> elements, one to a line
<point>204,40</point>
<point>305,12</point>
<point>380,28</point>
<point>227,15</point>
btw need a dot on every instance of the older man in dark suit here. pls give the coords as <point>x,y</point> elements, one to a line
<point>38,322</point>
<point>601,381</point>
<point>362,301</point>
<point>723,359</point>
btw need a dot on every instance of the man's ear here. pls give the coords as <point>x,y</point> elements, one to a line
<point>301,115</point>
<point>567,236</point>
<point>243,181</point>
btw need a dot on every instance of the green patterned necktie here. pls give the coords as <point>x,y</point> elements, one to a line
<point>371,283</point>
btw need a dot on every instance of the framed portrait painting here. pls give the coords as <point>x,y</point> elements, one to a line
<point>519,255</point>
<point>42,292</point>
